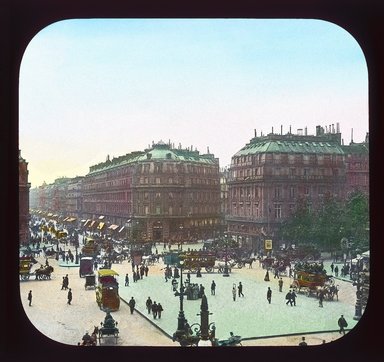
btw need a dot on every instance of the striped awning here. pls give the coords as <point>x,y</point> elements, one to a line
<point>101,225</point>
<point>113,227</point>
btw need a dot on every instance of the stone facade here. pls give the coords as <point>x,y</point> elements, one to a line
<point>162,193</point>
<point>271,174</point>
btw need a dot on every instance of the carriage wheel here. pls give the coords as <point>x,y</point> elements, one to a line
<point>240,264</point>
<point>208,269</point>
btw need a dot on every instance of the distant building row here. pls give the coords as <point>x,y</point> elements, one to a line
<point>172,194</point>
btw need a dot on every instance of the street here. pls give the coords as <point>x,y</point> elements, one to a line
<point>251,316</point>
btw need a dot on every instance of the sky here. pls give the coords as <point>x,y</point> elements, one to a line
<point>92,88</point>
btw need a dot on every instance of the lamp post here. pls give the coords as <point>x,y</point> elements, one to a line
<point>207,330</point>
<point>179,335</point>
<point>226,274</point>
<point>358,305</point>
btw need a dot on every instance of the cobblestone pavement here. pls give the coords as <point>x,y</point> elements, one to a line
<point>250,316</point>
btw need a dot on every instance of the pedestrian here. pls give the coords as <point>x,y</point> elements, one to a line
<point>321,298</point>
<point>148,304</point>
<point>280,284</point>
<point>30,297</point>
<point>198,274</point>
<point>69,296</point>
<point>234,292</point>
<point>266,278</point>
<point>336,271</point>
<point>288,297</point>
<point>269,295</point>
<point>240,289</point>
<point>154,310</point>
<point>66,282</point>
<point>159,310</point>
<point>63,284</point>
<point>174,284</point>
<point>293,298</point>
<point>126,280</point>
<point>213,287</point>
<point>146,269</point>
<point>342,324</point>
<point>189,277</point>
<point>132,304</point>
<point>332,267</point>
<point>303,343</point>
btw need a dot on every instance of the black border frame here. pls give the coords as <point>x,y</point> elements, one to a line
<point>20,20</point>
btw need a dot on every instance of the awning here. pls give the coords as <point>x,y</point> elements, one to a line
<point>87,222</point>
<point>92,224</point>
<point>113,227</point>
<point>101,217</point>
<point>121,229</point>
<point>66,218</point>
<point>105,272</point>
<point>101,225</point>
<point>71,219</point>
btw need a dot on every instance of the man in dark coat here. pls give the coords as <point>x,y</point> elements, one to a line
<point>30,297</point>
<point>342,324</point>
<point>69,296</point>
<point>132,304</point>
<point>269,295</point>
<point>159,310</point>
<point>154,310</point>
<point>148,304</point>
<point>288,297</point>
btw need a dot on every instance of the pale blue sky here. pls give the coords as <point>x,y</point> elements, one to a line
<point>92,88</point>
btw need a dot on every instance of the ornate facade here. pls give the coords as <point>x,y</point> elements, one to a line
<point>272,173</point>
<point>162,193</point>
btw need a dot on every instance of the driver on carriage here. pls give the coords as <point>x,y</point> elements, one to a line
<point>109,322</point>
<point>87,338</point>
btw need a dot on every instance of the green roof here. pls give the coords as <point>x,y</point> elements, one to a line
<point>159,151</point>
<point>296,145</point>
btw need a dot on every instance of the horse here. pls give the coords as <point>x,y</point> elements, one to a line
<point>249,261</point>
<point>44,273</point>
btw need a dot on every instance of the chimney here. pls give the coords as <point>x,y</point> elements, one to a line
<point>281,129</point>
<point>255,132</point>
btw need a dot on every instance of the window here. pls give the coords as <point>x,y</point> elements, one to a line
<point>277,211</point>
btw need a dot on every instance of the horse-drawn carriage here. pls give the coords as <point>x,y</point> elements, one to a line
<point>195,260</point>
<point>25,266</point>
<point>311,278</point>
<point>86,266</point>
<point>107,290</point>
<point>90,281</point>
<point>108,328</point>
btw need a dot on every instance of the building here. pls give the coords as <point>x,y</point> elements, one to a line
<point>357,166</point>
<point>271,174</point>
<point>162,193</point>
<point>24,187</point>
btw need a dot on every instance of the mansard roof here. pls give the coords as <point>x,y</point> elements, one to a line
<point>160,152</point>
<point>291,144</point>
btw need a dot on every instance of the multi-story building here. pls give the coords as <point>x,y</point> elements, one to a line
<point>162,193</point>
<point>357,166</point>
<point>272,173</point>
<point>24,187</point>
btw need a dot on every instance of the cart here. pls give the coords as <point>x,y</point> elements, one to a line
<point>90,281</point>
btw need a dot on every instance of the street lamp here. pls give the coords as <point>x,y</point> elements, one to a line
<point>180,334</point>
<point>226,274</point>
<point>358,306</point>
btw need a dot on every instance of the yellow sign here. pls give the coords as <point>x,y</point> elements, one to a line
<point>268,244</point>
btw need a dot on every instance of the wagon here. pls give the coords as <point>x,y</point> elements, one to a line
<point>90,281</point>
<point>195,260</point>
<point>25,266</point>
<point>107,290</point>
<point>307,282</point>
